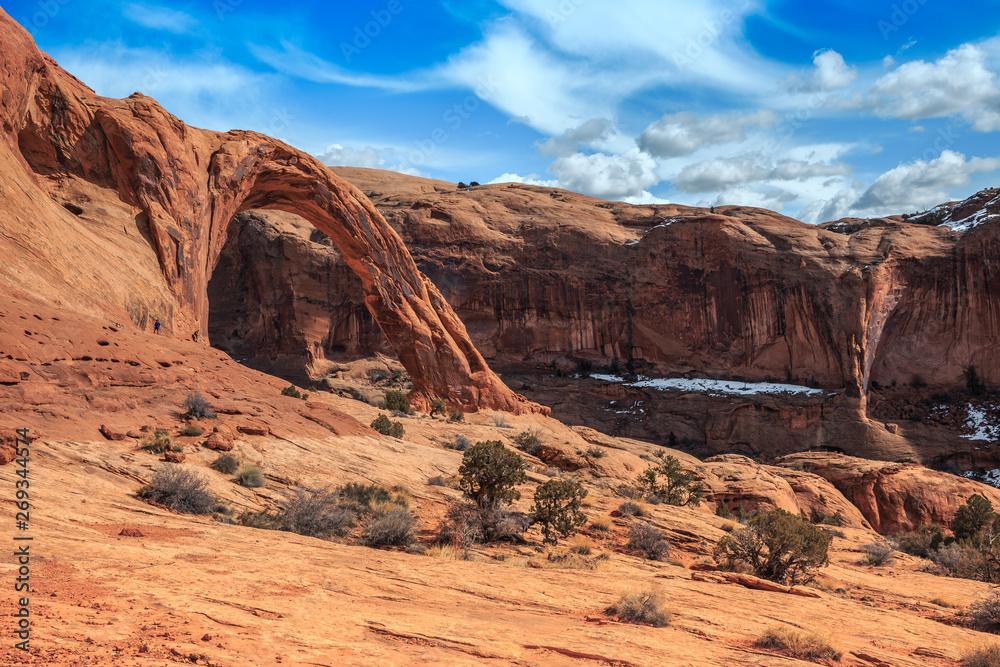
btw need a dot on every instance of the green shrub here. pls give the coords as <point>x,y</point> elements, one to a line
<point>647,540</point>
<point>197,406</point>
<point>923,541</point>
<point>250,476</point>
<point>455,416</point>
<point>227,464</point>
<point>459,442</point>
<point>798,644</point>
<point>557,508</point>
<point>489,473</point>
<point>395,528</point>
<point>290,390</point>
<point>190,430</point>
<point>389,428</point>
<point>528,441</point>
<point>157,443</point>
<point>180,489</point>
<point>438,407</point>
<point>365,498</point>
<point>973,518</point>
<point>397,400</point>
<point>316,513</point>
<point>836,519</point>
<point>777,545</point>
<point>645,607</point>
<point>973,382</point>
<point>722,510</point>
<point>671,483</point>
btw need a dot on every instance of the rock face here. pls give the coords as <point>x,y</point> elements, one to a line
<point>893,497</point>
<point>173,192</point>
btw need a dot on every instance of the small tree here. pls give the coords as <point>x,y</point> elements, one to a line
<point>777,545</point>
<point>672,484</point>
<point>557,508</point>
<point>973,518</point>
<point>389,428</point>
<point>973,382</point>
<point>489,473</point>
<point>197,407</point>
<point>397,400</point>
<point>438,407</point>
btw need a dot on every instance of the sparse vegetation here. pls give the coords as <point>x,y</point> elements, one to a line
<point>973,518</point>
<point>180,489</point>
<point>459,443</point>
<point>392,528</point>
<point>159,442</point>
<point>227,464</point>
<point>777,545</point>
<point>389,428</point>
<point>647,540</point>
<point>290,390</point>
<point>500,420</point>
<point>601,523</point>
<point>877,554</point>
<point>557,508</point>
<point>250,476</point>
<point>455,416</point>
<point>798,644</point>
<point>191,430</point>
<point>596,453</point>
<point>645,607</point>
<point>671,483</point>
<point>631,508</point>
<point>197,406</point>
<point>467,524</point>
<point>315,513</point>
<point>986,654</point>
<point>366,498</point>
<point>922,542</point>
<point>397,400</point>
<point>722,510</point>
<point>490,472</point>
<point>438,407</point>
<point>528,441</point>
<point>985,612</point>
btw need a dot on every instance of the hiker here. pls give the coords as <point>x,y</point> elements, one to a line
<point>156,327</point>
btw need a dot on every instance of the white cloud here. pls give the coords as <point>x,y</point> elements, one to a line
<point>957,83</point>
<point>595,131</point>
<point>337,155</point>
<point>159,18</point>
<point>530,179</point>
<point>722,173</point>
<point>906,188</point>
<point>607,176</point>
<point>830,72</point>
<point>773,199</point>
<point>645,197</point>
<point>679,134</point>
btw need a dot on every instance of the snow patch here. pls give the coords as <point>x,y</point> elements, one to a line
<point>724,387</point>
<point>983,429</point>
<point>974,220</point>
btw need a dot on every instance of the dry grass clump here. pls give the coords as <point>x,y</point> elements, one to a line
<point>601,523</point>
<point>446,552</point>
<point>648,540</point>
<point>581,545</point>
<point>158,443</point>
<point>632,508</point>
<point>798,644</point>
<point>986,654</point>
<point>646,607</point>
<point>945,601</point>
<point>877,554</point>
<point>250,476</point>
<point>180,489</point>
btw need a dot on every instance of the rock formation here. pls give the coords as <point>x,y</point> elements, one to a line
<point>177,189</point>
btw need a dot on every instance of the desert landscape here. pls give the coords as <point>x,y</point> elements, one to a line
<point>258,410</point>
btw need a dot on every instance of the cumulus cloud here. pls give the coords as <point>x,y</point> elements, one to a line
<point>830,72</point>
<point>337,155</point>
<point>530,179</point>
<point>773,199</point>
<point>679,134</point>
<point>957,83</point>
<point>593,131</point>
<point>615,176</point>
<point>908,187</point>
<point>722,173</point>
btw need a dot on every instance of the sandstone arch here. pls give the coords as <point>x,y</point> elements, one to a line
<point>184,186</point>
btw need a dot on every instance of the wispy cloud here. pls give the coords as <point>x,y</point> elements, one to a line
<point>159,18</point>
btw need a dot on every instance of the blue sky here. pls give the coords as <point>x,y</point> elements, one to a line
<point>819,110</point>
